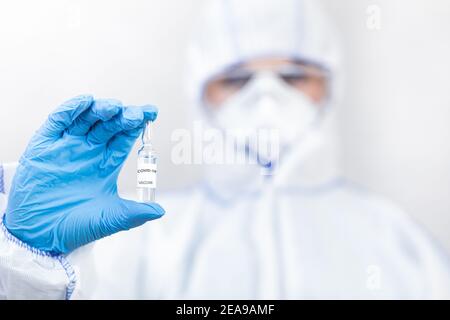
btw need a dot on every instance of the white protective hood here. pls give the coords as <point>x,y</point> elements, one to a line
<point>229,32</point>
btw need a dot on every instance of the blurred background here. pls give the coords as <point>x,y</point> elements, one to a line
<point>394,118</point>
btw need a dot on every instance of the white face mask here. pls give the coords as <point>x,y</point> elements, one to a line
<point>268,105</point>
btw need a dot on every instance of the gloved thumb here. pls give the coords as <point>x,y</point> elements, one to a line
<point>135,213</point>
<point>114,216</point>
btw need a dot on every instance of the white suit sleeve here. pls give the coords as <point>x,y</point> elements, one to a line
<point>434,262</point>
<point>25,272</point>
<point>414,250</point>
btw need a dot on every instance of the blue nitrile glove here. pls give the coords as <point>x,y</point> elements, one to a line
<point>64,193</point>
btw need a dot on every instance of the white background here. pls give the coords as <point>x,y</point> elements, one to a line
<point>394,119</point>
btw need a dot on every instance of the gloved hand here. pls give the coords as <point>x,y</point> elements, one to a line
<point>64,193</point>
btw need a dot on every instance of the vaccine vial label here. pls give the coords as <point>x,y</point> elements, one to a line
<point>146,175</point>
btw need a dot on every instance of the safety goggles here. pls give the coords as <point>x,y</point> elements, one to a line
<point>298,76</point>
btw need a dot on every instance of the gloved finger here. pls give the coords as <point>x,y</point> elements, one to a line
<point>150,113</point>
<point>120,146</point>
<point>132,214</point>
<point>101,219</point>
<point>138,213</point>
<point>130,118</point>
<point>60,119</point>
<point>100,110</point>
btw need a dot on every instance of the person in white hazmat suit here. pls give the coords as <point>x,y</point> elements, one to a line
<point>284,228</point>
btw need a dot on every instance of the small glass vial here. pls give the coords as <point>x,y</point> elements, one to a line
<point>146,168</point>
